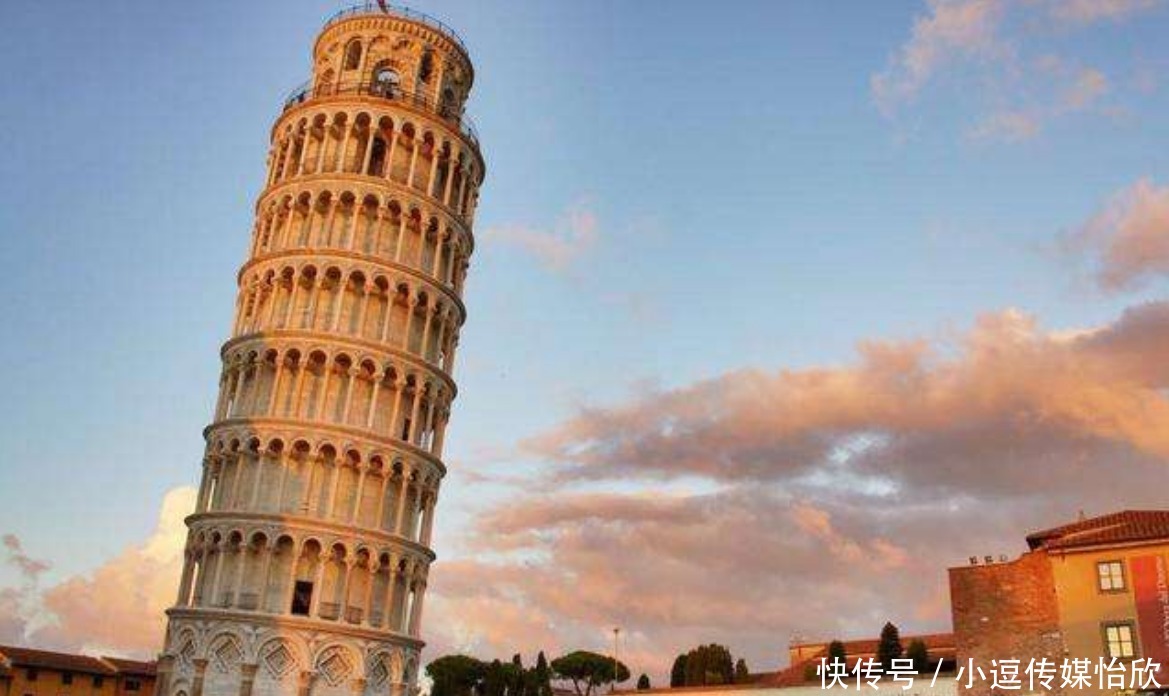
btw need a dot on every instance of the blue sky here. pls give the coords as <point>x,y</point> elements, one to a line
<point>750,204</point>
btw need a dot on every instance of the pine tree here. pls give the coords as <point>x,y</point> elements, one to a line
<point>678,671</point>
<point>919,654</point>
<point>889,647</point>
<point>515,676</point>
<point>542,677</point>
<point>836,652</point>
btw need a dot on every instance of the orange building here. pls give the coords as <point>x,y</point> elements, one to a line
<point>1097,588</point>
<point>25,672</point>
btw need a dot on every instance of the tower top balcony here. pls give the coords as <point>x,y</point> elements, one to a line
<point>379,9</point>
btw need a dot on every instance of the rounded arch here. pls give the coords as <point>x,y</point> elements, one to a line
<point>351,58</point>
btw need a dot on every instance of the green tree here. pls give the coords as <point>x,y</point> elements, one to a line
<point>516,676</point>
<point>455,675</point>
<point>742,674</point>
<point>836,652</point>
<point>678,671</point>
<point>696,666</point>
<point>495,680</point>
<point>541,680</point>
<point>889,646</point>
<point>588,670</point>
<point>709,665</point>
<point>643,682</point>
<point>919,654</point>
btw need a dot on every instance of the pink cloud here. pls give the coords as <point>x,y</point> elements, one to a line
<point>557,248</point>
<point>1127,241</point>
<point>820,501</point>
<point>989,43</point>
<point>949,30</point>
<point>116,609</point>
<point>834,498</point>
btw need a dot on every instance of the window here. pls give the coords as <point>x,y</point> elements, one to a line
<point>1118,641</point>
<point>302,597</point>
<point>133,685</point>
<point>66,677</point>
<point>31,674</point>
<point>98,681</point>
<point>352,55</point>
<point>425,67</point>
<point>385,80</point>
<point>1110,576</point>
<point>406,429</point>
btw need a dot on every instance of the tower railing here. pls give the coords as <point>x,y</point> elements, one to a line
<point>389,92</point>
<point>364,8</point>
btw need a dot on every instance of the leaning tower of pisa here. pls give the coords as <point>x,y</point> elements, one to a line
<point>309,550</point>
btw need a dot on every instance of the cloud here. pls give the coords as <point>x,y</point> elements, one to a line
<point>948,31</point>
<point>557,248</point>
<point>30,568</point>
<point>1087,88</point>
<point>119,607</point>
<point>1126,243</point>
<point>1008,126</point>
<point>672,570</point>
<point>990,43</point>
<point>1091,11</point>
<point>17,604</point>
<point>1069,90</point>
<point>753,506</point>
<point>820,501</point>
<point>1004,379</point>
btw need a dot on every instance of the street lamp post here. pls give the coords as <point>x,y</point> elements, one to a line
<point>616,633</point>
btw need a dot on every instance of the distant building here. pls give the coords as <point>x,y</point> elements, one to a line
<point>805,656</point>
<point>25,672</point>
<point>1097,588</point>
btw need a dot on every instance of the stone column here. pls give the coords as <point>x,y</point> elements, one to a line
<point>197,682</point>
<point>247,678</point>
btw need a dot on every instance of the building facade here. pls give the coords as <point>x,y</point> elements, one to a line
<point>1095,589</point>
<point>26,672</point>
<point>309,550</point>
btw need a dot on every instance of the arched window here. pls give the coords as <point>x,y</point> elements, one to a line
<point>385,80</point>
<point>426,67</point>
<point>352,55</point>
<point>377,158</point>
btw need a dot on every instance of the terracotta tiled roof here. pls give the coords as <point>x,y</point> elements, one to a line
<point>1114,528</point>
<point>42,659</point>
<point>132,667</point>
